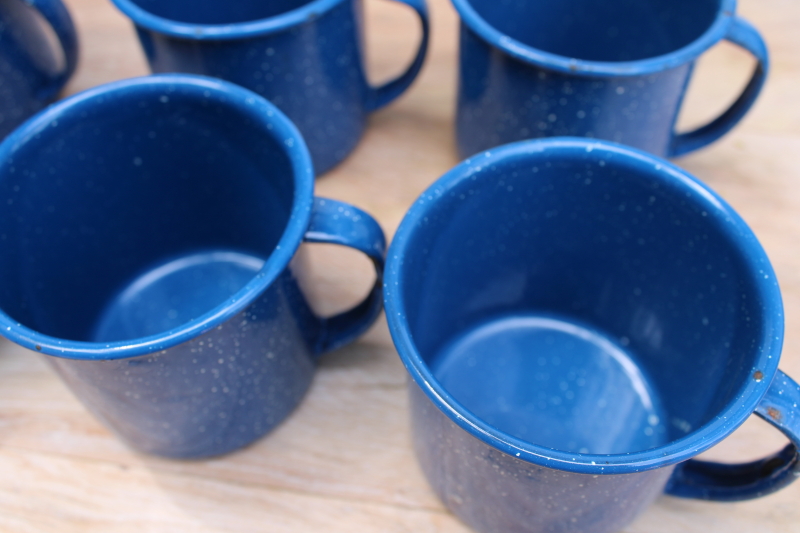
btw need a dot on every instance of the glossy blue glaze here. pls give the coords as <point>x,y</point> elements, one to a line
<point>581,319</point>
<point>305,57</point>
<point>149,244</point>
<point>32,71</point>
<point>725,482</point>
<point>608,70</point>
<point>543,398</point>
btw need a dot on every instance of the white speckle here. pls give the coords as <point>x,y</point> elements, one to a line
<point>164,99</point>
<point>620,90</point>
<point>581,114</point>
<point>137,161</point>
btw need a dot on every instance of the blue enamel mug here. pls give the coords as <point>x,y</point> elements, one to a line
<point>615,70</point>
<point>580,320</point>
<point>149,246</point>
<point>32,69</point>
<point>303,56</point>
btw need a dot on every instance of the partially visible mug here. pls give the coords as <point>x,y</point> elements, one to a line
<point>306,57</point>
<point>615,70</point>
<point>33,68</point>
<point>149,246</point>
<point>580,320</point>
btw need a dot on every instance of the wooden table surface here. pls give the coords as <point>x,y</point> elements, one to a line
<point>343,461</point>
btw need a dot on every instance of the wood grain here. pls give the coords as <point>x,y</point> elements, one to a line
<point>343,461</point>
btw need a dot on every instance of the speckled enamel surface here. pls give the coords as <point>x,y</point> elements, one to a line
<point>616,71</point>
<point>494,492</point>
<point>150,247</point>
<point>501,100</point>
<point>517,272</point>
<point>313,70</point>
<point>214,393</point>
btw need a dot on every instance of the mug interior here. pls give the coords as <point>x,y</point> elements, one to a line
<point>583,301</point>
<point>591,30</point>
<point>135,211</point>
<point>218,11</point>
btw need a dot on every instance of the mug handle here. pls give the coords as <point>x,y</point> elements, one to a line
<point>743,34</point>
<point>56,14</point>
<point>733,482</point>
<point>334,222</point>
<point>380,96</point>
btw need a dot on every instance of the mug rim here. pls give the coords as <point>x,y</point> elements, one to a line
<point>236,30</point>
<point>727,420</point>
<point>529,54</point>
<point>233,96</point>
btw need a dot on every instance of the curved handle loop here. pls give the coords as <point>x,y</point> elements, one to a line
<point>746,36</point>
<point>335,222</point>
<point>730,482</point>
<point>56,14</point>
<point>380,96</point>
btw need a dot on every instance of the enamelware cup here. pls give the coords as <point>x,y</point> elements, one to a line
<point>306,57</point>
<point>580,320</point>
<point>149,246</point>
<point>38,54</point>
<point>615,70</point>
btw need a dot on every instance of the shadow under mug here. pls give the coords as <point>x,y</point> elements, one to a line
<point>615,70</point>
<point>33,69</point>
<point>306,57</point>
<point>149,245</point>
<point>580,320</point>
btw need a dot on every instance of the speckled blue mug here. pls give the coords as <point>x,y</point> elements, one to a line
<point>149,245</point>
<point>32,69</point>
<point>304,56</point>
<point>580,320</point>
<point>615,70</point>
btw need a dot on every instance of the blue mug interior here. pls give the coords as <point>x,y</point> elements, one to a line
<point>592,30</point>
<point>583,300</point>
<point>218,11</point>
<point>134,211</point>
